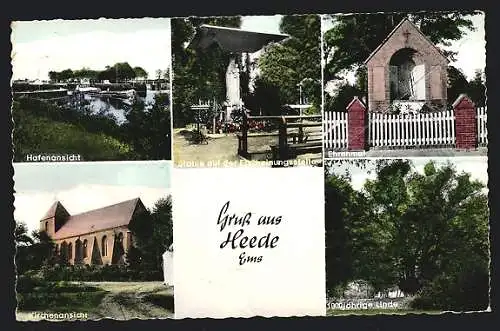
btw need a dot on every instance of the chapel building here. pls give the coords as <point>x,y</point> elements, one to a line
<point>407,69</point>
<point>96,237</point>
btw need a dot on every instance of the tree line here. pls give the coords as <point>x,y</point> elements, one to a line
<point>119,72</point>
<point>426,233</point>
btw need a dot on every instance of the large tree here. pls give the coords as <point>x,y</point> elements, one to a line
<point>153,235</point>
<point>147,128</point>
<point>33,251</point>
<point>140,72</point>
<point>294,62</point>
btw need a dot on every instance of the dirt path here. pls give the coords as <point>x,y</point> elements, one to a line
<point>224,148</point>
<point>125,301</point>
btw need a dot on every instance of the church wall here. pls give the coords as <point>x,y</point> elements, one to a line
<point>110,234</point>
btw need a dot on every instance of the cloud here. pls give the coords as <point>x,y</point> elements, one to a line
<point>31,206</point>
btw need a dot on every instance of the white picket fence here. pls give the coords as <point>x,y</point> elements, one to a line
<point>395,130</point>
<point>411,130</point>
<point>482,129</point>
<point>335,130</point>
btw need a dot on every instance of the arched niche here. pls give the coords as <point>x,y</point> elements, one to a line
<point>407,76</point>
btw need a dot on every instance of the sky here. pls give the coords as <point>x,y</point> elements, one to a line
<point>476,166</point>
<point>84,186</point>
<point>41,46</point>
<point>471,48</point>
<point>264,24</point>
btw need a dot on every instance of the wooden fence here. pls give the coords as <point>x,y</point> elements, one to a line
<point>292,139</point>
<point>435,129</point>
<point>335,130</point>
<point>412,130</point>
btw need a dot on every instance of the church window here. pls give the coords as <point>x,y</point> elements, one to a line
<point>85,248</point>
<point>104,246</point>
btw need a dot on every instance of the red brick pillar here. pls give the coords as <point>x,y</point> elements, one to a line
<point>465,123</point>
<point>356,125</point>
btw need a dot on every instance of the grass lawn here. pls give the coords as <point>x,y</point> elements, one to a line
<point>340,312</point>
<point>61,297</point>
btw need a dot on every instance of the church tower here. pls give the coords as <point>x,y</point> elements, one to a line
<point>54,218</point>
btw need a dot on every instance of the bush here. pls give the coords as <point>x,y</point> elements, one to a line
<point>98,273</point>
<point>468,291</point>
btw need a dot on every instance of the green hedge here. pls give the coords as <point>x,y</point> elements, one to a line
<point>98,273</point>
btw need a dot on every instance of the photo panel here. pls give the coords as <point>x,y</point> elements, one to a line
<point>247,91</point>
<point>404,84</point>
<point>407,235</point>
<point>94,241</point>
<point>91,90</point>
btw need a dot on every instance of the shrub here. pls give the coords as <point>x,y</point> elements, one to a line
<point>467,291</point>
<point>98,273</point>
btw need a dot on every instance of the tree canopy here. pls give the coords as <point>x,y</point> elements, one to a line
<point>296,61</point>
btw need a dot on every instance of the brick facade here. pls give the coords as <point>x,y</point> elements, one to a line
<point>465,123</point>
<point>356,125</point>
<point>406,36</point>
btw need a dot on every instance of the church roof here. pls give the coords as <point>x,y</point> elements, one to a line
<point>233,39</point>
<point>56,206</point>
<point>396,28</point>
<point>108,217</point>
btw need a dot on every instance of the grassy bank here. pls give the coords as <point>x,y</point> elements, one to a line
<point>34,134</point>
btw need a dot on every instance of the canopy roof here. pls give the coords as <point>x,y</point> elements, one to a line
<point>232,39</point>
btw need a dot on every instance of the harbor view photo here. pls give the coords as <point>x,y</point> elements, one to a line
<point>98,89</point>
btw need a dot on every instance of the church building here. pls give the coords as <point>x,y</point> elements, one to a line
<point>407,69</point>
<point>100,236</point>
